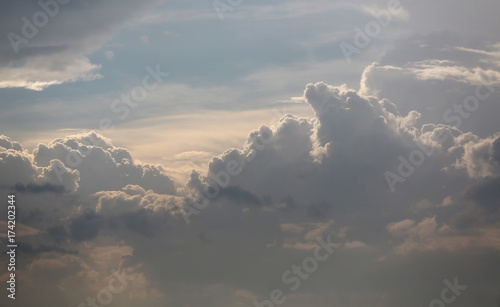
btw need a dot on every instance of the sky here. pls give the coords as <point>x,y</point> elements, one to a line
<point>250,153</point>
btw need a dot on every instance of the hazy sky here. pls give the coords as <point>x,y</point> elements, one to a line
<point>247,153</point>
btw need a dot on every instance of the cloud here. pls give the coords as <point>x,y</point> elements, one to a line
<point>38,188</point>
<point>355,244</point>
<point>101,165</point>
<point>57,233</point>
<point>304,236</point>
<point>288,227</point>
<point>481,158</point>
<point>486,194</point>
<point>21,230</point>
<point>54,49</point>
<point>58,267</point>
<point>70,69</point>
<point>7,143</point>
<point>29,249</point>
<point>88,207</point>
<point>85,274</point>
<point>436,75</point>
<point>316,160</point>
<point>85,227</point>
<point>427,235</point>
<point>109,54</point>
<point>277,193</point>
<point>133,197</point>
<point>22,174</point>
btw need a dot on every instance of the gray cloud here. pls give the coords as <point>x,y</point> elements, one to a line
<point>300,178</point>
<point>57,233</point>
<point>45,45</point>
<point>85,227</point>
<point>435,74</point>
<point>101,165</point>
<point>18,170</point>
<point>39,188</point>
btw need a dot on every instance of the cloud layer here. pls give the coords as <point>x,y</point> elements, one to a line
<point>264,205</point>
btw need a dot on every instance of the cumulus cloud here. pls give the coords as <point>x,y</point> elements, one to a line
<point>88,207</point>
<point>346,148</point>
<point>87,161</point>
<point>133,197</point>
<point>19,171</point>
<point>263,204</point>
<point>101,165</point>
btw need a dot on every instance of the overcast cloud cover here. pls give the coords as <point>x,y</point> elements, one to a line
<point>194,153</point>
